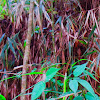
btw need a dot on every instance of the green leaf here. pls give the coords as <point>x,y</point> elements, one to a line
<point>24,43</point>
<point>14,43</point>
<point>85,84</point>
<point>8,78</point>
<point>2,97</point>
<point>37,90</point>
<point>3,53</point>
<point>73,84</point>
<point>1,8</point>
<point>89,96</point>
<point>2,37</point>
<point>78,98</point>
<point>97,44</point>
<point>83,42</point>
<point>79,69</point>
<point>92,32</point>
<point>69,49</point>
<point>90,75</point>
<point>90,53</point>
<point>46,14</point>
<point>98,59</point>
<point>59,20</point>
<point>50,73</point>
<point>11,46</point>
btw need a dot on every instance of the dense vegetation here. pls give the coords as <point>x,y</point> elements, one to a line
<point>49,49</point>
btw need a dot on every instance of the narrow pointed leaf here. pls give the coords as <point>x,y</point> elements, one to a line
<point>90,75</point>
<point>11,46</point>
<point>2,37</point>
<point>92,32</point>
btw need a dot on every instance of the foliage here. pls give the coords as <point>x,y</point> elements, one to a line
<point>2,10</point>
<point>2,97</point>
<point>64,59</point>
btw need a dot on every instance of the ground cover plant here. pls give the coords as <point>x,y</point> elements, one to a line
<point>49,50</point>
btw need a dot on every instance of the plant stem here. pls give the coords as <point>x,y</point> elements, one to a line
<point>27,51</point>
<point>64,88</point>
<point>53,40</point>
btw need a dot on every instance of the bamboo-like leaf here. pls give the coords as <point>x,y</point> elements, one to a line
<point>46,14</point>
<point>83,42</point>
<point>3,53</point>
<point>90,75</point>
<point>98,59</point>
<point>97,44</point>
<point>11,46</point>
<point>2,37</point>
<point>14,43</point>
<point>90,53</point>
<point>59,20</point>
<point>92,32</point>
<point>69,49</point>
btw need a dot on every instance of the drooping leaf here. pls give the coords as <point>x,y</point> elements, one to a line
<point>69,49</point>
<point>3,53</point>
<point>50,73</point>
<point>79,69</point>
<point>85,84</point>
<point>92,32</point>
<point>37,90</point>
<point>46,14</point>
<point>59,20</point>
<point>83,42</point>
<point>11,46</point>
<point>90,75</point>
<point>14,43</point>
<point>97,44</point>
<point>90,53</point>
<point>73,84</point>
<point>98,59</point>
